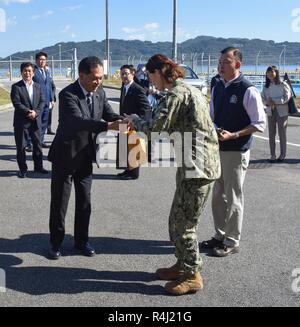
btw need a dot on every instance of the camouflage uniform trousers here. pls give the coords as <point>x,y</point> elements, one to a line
<point>190,198</point>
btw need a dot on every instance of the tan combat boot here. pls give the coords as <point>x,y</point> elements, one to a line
<point>171,273</point>
<point>187,283</point>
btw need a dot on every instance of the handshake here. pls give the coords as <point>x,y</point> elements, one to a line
<point>122,125</point>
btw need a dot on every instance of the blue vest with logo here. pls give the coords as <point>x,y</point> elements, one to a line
<point>230,113</point>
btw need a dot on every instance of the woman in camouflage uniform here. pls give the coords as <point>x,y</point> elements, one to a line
<point>184,110</point>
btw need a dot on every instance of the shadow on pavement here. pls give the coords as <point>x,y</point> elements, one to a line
<point>59,280</point>
<point>30,175</point>
<point>38,244</point>
<point>63,280</point>
<point>6,134</point>
<point>288,161</point>
<point>7,147</point>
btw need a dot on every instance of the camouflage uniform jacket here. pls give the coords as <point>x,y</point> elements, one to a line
<point>184,111</point>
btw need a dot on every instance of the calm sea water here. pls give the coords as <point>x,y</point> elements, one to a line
<point>246,69</point>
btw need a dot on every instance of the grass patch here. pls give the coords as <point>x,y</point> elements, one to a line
<point>112,82</point>
<point>4,97</point>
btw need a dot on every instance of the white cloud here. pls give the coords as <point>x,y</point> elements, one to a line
<point>43,15</point>
<point>11,21</point>
<point>129,30</point>
<point>8,2</point>
<point>141,33</point>
<point>152,27</point>
<point>2,21</point>
<point>141,37</point>
<point>72,8</point>
<point>68,30</point>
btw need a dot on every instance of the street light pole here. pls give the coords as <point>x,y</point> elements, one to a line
<point>60,59</point>
<point>284,56</point>
<point>107,38</point>
<point>174,51</point>
<point>257,62</point>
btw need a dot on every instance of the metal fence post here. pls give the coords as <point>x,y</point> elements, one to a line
<point>208,71</point>
<point>52,66</point>
<point>10,69</point>
<point>75,65</point>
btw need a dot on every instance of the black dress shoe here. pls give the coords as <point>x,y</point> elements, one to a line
<point>125,172</point>
<point>211,244</point>
<point>45,146</point>
<point>128,177</point>
<point>54,253</point>
<point>22,174</point>
<point>42,171</point>
<point>28,149</point>
<point>280,160</point>
<point>86,250</point>
<point>50,132</point>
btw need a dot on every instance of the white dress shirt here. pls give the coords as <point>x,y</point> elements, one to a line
<point>127,86</point>
<point>252,103</point>
<point>29,88</point>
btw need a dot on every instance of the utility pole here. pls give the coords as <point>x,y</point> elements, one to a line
<point>174,50</point>
<point>256,64</point>
<point>107,39</point>
<point>280,57</point>
<point>284,57</point>
<point>60,59</point>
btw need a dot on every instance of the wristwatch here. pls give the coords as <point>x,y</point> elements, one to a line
<point>237,135</point>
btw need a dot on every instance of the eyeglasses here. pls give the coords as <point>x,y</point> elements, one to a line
<point>126,74</point>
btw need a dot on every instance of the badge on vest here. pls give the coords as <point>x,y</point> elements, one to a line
<point>233,99</point>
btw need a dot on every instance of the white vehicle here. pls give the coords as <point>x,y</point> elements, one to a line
<point>191,78</point>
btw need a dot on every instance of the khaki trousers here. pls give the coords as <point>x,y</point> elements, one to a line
<point>228,197</point>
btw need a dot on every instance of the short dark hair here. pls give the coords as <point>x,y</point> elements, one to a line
<point>130,67</point>
<point>40,54</point>
<point>236,52</point>
<point>87,64</point>
<point>25,65</point>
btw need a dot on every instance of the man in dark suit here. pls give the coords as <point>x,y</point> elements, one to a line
<point>28,100</point>
<point>84,112</point>
<point>49,126</point>
<point>42,76</point>
<point>133,100</point>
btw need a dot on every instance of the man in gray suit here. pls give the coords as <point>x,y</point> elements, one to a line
<point>28,100</point>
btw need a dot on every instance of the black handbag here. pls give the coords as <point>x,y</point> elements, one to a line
<point>292,107</point>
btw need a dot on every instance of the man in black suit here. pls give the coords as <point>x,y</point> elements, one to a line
<point>84,112</point>
<point>133,100</point>
<point>28,100</point>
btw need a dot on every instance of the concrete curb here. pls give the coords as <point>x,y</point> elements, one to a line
<point>111,87</point>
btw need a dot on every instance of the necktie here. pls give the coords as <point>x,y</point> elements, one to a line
<point>89,101</point>
<point>43,74</point>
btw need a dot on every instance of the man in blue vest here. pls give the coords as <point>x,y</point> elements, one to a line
<point>238,112</point>
<point>43,78</point>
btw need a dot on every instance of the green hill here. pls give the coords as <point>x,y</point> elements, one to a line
<point>121,49</point>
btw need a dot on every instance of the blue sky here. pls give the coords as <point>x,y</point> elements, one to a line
<point>33,24</point>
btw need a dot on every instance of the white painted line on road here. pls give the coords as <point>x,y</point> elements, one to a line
<point>266,139</point>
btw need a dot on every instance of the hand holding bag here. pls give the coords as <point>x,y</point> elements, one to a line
<point>292,106</point>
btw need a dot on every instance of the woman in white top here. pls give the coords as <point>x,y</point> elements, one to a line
<point>276,95</point>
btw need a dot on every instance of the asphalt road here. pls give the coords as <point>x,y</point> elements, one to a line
<point>129,231</point>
